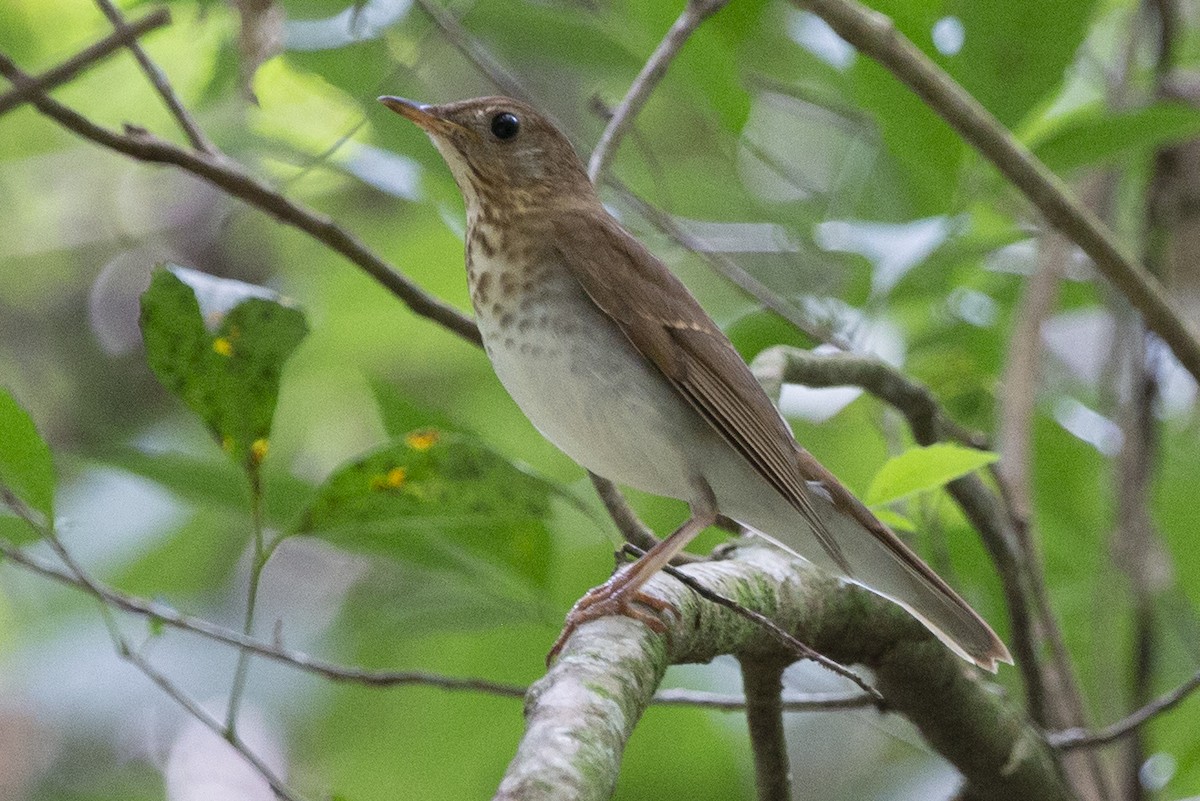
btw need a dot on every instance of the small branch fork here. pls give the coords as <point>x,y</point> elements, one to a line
<point>159,81</point>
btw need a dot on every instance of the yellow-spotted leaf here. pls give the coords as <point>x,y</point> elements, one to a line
<point>441,500</point>
<point>220,346</point>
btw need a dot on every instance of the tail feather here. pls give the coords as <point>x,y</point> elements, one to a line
<point>881,563</point>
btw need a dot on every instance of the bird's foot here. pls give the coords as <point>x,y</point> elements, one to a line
<point>613,597</point>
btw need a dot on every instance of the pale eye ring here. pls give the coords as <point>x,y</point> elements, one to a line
<point>505,125</point>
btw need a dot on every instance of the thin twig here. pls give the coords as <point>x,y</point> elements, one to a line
<point>30,87</point>
<point>808,702</point>
<point>77,575</point>
<point>1012,472</point>
<point>484,61</point>
<point>631,527</point>
<point>157,611</point>
<point>232,178</point>
<point>694,13</point>
<point>875,35</point>
<point>259,562</point>
<point>159,81</point>
<point>212,724</point>
<point>1079,738</point>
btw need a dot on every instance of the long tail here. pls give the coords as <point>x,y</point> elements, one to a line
<point>880,562</point>
<point>892,570</point>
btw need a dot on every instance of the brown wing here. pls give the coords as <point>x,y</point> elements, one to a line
<point>668,326</point>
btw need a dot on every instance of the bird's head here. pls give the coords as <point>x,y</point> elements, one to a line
<point>501,152</point>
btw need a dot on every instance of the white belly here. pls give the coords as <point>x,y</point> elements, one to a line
<point>584,386</point>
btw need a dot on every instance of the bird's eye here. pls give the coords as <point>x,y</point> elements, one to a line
<point>505,125</point>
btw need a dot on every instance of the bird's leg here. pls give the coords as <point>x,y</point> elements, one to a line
<point>619,594</point>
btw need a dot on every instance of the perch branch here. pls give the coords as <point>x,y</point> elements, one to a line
<point>579,716</point>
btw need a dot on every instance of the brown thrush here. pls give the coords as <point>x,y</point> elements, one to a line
<point>615,362</point>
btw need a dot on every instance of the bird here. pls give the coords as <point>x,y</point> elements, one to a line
<point>616,363</point>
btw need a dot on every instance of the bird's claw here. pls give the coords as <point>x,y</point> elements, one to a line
<point>612,598</point>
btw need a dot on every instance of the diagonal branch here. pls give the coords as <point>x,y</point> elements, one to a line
<point>876,35</point>
<point>694,13</point>
<point>159,81</point>
<point>125,36</point>
<point>232,178</point>
<point>726,267</point>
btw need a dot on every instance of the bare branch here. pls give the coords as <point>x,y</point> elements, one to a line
<point>694,13</point>
<point>165,614</point>
<point>1079,738</point>
<point>211,723</point>
<point>875,35</point>
<point>29,87</point>
<point>77,575</point>
<point>232,178</point>
<point>159,81</point>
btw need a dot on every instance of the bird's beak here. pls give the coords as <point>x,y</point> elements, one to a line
<point>424,116</point>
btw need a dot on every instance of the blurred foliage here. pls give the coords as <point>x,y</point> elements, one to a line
<point>809,165</point>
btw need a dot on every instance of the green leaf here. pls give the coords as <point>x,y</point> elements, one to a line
<point>26,467</point>
<point>227,374</point>
<point>1014,53</point>
<point>440,500</point>
<point>212,483</point>
<point>1096,138</point>
<point>921,469</point>
<point>400,414</point>
<point>895,521</point>
<point>16,530</point>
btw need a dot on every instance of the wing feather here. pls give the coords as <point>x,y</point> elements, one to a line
<point>670,328</point>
